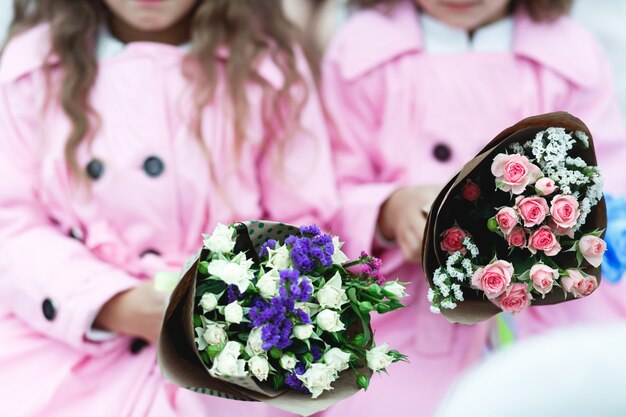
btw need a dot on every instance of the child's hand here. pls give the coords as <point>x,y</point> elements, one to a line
<point>138,312</point>
<point>403,217</point>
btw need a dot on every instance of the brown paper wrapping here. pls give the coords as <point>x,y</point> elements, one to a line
<point>180,360</point>
<point>476,308</point>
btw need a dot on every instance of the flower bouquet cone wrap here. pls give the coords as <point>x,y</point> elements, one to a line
<point>521,224</point>
<point>269,312</point>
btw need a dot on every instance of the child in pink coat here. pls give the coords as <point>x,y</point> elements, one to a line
<point>127,129</point>
<point>414,89</point>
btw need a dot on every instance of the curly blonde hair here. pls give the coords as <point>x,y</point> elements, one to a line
<point>250,29</point>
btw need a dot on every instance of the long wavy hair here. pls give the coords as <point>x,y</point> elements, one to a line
<point>538,10</point>
<point>250,30</point>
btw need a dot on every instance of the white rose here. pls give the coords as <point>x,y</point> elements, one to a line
<point>235,272</point>
<point>338,256</point>
<point>200,342</point>
<point>279,258</point>
<point>233,313</point>
<point>337,359</point>
<point>318,378</point>
<point>303,331</point>
<point>227,363</point>
<point>329,321</point>
<point>214,335</point>
<point>331,295</point>
<point>232,348</point>
<point>254,346</point>
<point>288,362</point>
<point>377,358</point>
<point>268,284</point>
<point>208,302</point>
<point>309,308</point>
<point>221,240</point>
<point>395,289</point>
<point>260,367</point>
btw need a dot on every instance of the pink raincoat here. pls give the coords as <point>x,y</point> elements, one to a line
<point>65,253</point>
<point>402,116</point>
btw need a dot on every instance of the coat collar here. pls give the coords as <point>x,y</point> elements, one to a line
<point>29,51</point>
<point>385,35</point>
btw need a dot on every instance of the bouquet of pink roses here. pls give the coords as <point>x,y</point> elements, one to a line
<point>521,224</point>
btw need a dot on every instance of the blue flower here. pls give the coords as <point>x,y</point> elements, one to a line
<point>614,265</point>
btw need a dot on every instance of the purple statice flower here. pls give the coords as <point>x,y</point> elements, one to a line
<point>233,293</point>
<point>309,251</point>
<point>300,368</point>
<point>289,275</point>
<point>303,316</point>
<point>292,381</point>
<point>311,230</point>
<point>301,255</point>
<point>268,244</point>
<point>317,354</point>
<point>276,316</point>
<point>364,255</point>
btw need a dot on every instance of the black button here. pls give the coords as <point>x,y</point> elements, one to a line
<point>49,311</point>
<point>153,166</point>
<point>150,252</point>
<point>95,169</point>
<point>137,346</point>
<point>75,233</point>
<point>442,152</point>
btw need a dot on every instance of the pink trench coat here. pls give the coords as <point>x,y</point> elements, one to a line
<point>64,254</point>
<point>402,117</point>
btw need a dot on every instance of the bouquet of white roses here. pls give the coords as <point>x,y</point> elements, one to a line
<point>278,314</point>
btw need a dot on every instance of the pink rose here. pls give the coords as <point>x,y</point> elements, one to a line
<point>516,298</point>
<point>493,279</point>
<point>543,239</point>
<point>533,210</point>
<point>470,191</point>
<point>452,240</point>
<point>507,219</point>
<point>565,211</point>
<point>560,231</point>
<point>592,248</point>
<point>543,278</point>
<point>517,238</point>
<point>545,186</point>
<point>514,172</point>
<point>577,284</point>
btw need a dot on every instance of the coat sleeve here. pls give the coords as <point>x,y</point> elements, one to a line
<point>354,118</point>
<point>297,179</point>
<point>48,280</point>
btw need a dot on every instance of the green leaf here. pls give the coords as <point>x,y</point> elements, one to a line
<point>214,286</point>
<point>374,289</point>
<point>197,321</point>
<point>363,382</point>
<point>276,353</point>
<point>278,381</point>
<point>366,307</point>
<point>203,267</point>
<point>205,357</point>
<point>579,258</point>
<point>359,340</point>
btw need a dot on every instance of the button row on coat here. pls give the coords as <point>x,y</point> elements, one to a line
<point>153,166</point>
